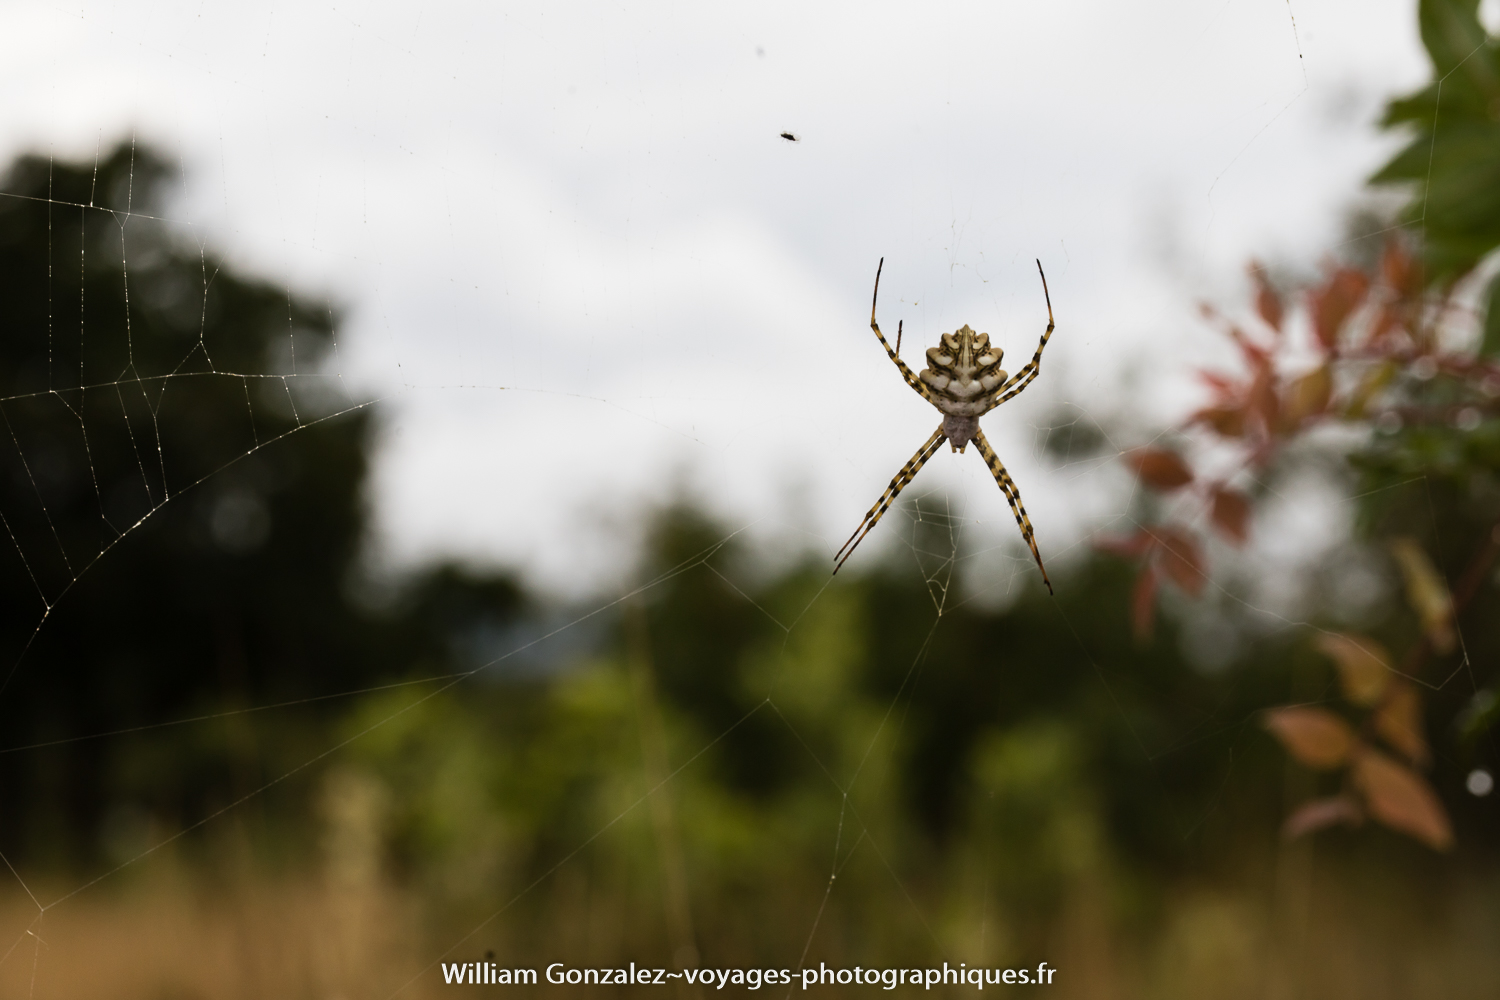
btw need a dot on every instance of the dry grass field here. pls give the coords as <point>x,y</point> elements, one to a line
<point>169,935</point>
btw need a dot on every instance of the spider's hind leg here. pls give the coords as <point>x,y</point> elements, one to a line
<point>1013,496</point>
<point>907,474</point>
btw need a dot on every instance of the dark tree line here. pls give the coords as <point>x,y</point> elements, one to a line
<point>182,524</point>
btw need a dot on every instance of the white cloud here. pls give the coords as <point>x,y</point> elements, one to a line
<point>592,205</point>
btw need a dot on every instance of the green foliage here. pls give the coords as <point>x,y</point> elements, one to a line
<point>1001,769</point>
<point>1005,761</point>
<point>1469,459</point>
<point>1453,158</point>
<point>1452,161</point>
<point>1039,810</point>
<point>1452,166</point>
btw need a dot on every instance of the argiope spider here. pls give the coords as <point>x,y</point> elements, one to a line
<point>964,381</point>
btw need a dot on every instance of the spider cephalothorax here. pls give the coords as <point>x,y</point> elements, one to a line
<point>964,380</point>
<point>961,373</point>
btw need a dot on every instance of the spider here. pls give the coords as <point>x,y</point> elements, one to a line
<point>964,381</point>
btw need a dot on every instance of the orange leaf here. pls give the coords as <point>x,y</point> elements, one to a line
<point>1334,302</point>
<point>1399,722</point>
<point>1143,603</point>
<point>1267,302</point>
<point>1231,514</point>
<point>1227,421</point>
<point>1159,469</point>
<point>1402,800</point>
<point>1364,665</point>
<point>1180,556</point>
<point>1307,397</point>
<point>1426,592</point>
<point>1315,815</point>
<point>1225,389</point>
<point>1315,736</point>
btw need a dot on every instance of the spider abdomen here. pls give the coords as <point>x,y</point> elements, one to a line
<point>959,430</point>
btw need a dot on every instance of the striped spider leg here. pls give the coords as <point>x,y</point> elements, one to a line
<point>963,380</point>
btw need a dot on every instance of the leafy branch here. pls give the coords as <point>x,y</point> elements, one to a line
<point>1386,352</point>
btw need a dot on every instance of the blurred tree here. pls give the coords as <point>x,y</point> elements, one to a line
<point>1020,759</point>
<point>180,487</point>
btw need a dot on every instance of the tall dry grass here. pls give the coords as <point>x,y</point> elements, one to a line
<point>177,934</point>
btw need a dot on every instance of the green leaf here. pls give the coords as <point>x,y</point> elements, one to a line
<point>1451,166</point>
<point>1451,32</point>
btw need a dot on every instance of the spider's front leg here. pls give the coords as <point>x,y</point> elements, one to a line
<point>906,373</point>
<point>1013,495</point>
<point>1021,379</point>
<point>907,474</point>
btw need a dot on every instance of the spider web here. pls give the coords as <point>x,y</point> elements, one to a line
<point>959,539</point>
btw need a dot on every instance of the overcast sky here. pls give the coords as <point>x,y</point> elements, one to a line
<point>577,257</point>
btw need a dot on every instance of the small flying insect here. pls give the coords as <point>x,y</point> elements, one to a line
<point>792,138</point>
<point>963,380</point>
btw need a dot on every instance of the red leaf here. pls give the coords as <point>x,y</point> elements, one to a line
<point>1400,270</point>
<point>1180,556</point>
<point>1402,800</point>
<point>1159,469</point>
<point>1257,358</point>
<point>1231,514</point>
<point>1334,302</point>
<point>1263,401</point>
<point>1225,388</point>
<point>1315,815</point>
<point>1267,301</point>
<point>1315,736</point>
<point>1143,603</point>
